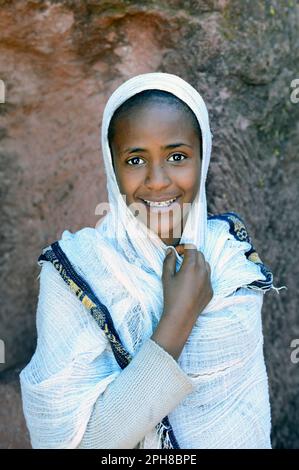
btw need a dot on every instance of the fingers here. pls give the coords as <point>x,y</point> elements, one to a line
<point>189,246</point>
<point>191,253</point>
<point>180,249</point>
<point>169,264</point>
<point>208,267</point>
<point>193,256</point>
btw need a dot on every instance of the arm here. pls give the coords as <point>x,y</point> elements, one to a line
<point>142,395</point>
<point>73,385</point>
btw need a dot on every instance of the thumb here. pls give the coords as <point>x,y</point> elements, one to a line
<point>169,263</point>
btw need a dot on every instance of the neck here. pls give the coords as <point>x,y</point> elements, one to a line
<point>171,241</point>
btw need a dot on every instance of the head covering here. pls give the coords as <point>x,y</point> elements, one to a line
<point>223,354</point>
<point>196,226</point>
<point>128,234</point>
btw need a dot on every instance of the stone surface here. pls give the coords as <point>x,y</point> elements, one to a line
<point>13,431</point>
<point>61,60</point>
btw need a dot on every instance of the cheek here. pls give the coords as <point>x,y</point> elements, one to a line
<point>129,181</point>
<point>189,180</point>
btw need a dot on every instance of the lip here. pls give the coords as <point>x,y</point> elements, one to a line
<point>161,199</point>
<point>161,209</point>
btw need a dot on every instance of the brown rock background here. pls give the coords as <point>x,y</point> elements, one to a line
<point>60,61</point>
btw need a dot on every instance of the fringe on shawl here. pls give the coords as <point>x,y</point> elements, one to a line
<point>54,254</point>
<point>239,231</point>
<point>100,313</point>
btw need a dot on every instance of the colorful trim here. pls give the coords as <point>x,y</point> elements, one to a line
<point>82,290</point>
<point>238,229</point>
<point>101,315</point>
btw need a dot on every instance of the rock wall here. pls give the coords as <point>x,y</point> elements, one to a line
<point>60,61</point>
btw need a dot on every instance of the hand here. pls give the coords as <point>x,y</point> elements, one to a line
<point>188,291</point>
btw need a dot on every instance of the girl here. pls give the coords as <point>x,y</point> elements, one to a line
<point>138,348</point>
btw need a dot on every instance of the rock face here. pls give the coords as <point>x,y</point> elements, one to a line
<point>61,60</point>
<point>13,431</point>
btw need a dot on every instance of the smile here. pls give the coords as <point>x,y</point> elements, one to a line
<point>159,204</point>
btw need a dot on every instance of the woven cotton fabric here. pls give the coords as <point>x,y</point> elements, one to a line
<point>122,260</point>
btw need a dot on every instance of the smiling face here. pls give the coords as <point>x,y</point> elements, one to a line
<point>156,152</point>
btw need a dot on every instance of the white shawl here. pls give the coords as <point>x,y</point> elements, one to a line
<point>73,363</point>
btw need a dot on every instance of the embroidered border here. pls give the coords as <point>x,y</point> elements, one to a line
<point>238,229</point>
<point>101,314</point>
<point>82,290</point>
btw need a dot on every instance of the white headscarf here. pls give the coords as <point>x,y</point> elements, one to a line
<point>142,246</point>
<point>196,225</point>
<point>223,355</point>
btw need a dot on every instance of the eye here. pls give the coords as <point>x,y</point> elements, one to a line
<point>133,158</point>
<point>180,154</point>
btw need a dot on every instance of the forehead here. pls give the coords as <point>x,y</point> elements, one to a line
<point>154,121</point>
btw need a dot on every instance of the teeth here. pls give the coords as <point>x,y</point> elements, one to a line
<point>160,204</point>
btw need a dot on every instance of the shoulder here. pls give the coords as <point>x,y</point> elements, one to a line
<point>65,277</point>
<point>59,290</point>
<point>236,224</point>
<point>238,229</point>
<point>70,243</point>
<point>63,309</point>
<point>56,303</point>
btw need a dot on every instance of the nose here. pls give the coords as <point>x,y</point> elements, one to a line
<point>157,178</point>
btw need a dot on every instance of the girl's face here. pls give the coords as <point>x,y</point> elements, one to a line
<point>157,157</point>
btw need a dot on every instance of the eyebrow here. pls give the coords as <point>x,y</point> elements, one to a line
<point>169,146</point>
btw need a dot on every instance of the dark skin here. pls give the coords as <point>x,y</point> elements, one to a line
<point>154,174</point>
